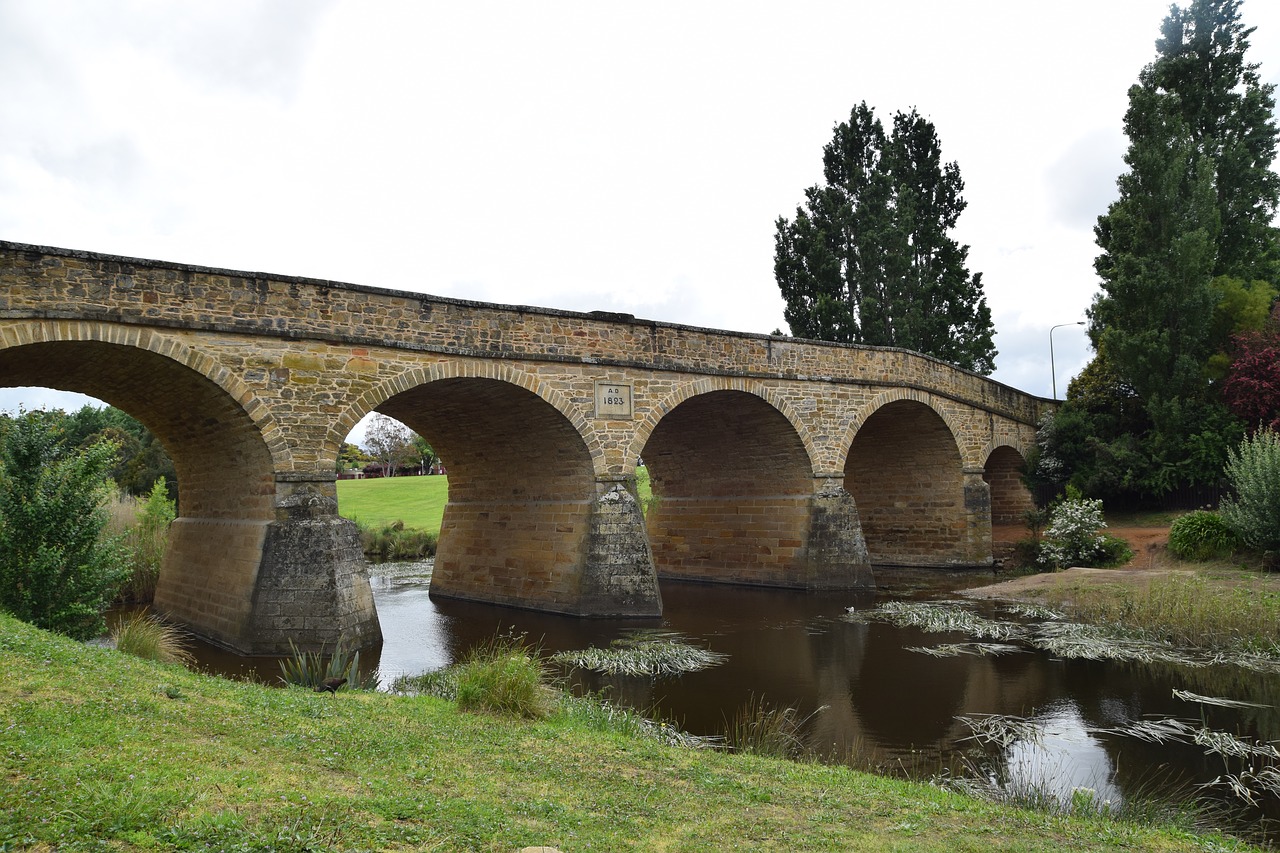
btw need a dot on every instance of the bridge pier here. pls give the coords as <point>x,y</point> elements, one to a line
<point>835,555</point>
<point>976,544</point>
<point>255,585</point>
<point>619,577</point>
<point>582,556</point>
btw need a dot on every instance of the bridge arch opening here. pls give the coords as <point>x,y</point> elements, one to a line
<point>905,473</point>
<point>224,469</point>
<point>1010,498</point>
<point>521,489</point>
<point>732,485</point>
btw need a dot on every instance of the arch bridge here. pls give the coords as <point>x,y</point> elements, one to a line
<point>773,461</point>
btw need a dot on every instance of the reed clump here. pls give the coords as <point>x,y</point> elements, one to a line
<point>762,728</point>
<point>149,637</point>
<point>504,676</point>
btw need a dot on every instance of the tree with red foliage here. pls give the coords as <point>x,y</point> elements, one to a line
<point>1252,386</point>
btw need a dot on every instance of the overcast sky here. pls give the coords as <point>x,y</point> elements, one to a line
<point>576,155</point>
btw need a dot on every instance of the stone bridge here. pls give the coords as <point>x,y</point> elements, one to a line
<point>773,461</point>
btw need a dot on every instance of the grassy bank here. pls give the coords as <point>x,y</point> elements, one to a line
<point>416,501</point>
<point>104,751</point>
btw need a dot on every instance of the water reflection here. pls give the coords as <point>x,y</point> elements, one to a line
<point>863,691</point>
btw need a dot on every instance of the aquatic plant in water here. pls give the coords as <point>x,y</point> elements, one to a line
<point>950,650</point>
<point>644,653</point>
<point>940,617</point>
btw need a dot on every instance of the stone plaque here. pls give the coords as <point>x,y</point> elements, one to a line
<point>613,401</point>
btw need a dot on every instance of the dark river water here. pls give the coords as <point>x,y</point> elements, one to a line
<point>867,696</point>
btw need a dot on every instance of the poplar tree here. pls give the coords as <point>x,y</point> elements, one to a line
<point>869,258</point>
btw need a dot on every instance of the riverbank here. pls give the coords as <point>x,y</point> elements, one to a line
<point>100,749</point>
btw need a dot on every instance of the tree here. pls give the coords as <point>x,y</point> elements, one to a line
<point>388,442</point>
<point>141,460</point>
<point>352,456</point>
<point>1252,386</point>
<point>56,570</point>
<point>868,258</point>
<point>1191,226</point>
<point>423,452</point>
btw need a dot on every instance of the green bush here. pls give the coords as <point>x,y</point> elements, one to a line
<point>1253,470</point>
<point>57,570</point>
<point>1202,535</point>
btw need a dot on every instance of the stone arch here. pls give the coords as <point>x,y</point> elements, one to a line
<point>708,385</point>
<point>895,395</point>
<point>224,444</point>
<point>906,473</point>
<point>517,527</point>
<point>732,480</point>
<point>1010,498</point>
<point>374,398</point>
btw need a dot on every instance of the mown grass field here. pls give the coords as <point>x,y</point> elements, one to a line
<point>417,501</point>
<point>104,751</point>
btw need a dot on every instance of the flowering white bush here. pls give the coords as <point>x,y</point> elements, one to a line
<point>1072,537</point>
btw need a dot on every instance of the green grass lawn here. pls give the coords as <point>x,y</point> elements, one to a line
<point>417,501</point>
<point>102,751</point>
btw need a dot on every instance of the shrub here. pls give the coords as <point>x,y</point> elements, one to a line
<point>149,637</point>
<point>57,571</point>
<point>1202,535</point>
<point>1253,470</point>
<point>1072,537</point>
<point>504,676</point>
<point>144,544</point>
<point>394,541</point>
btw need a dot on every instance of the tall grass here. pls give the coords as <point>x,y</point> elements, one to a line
<point>394,541</point>
<point>504,676</point>
<point>1186,610</point>
<point>762,728</point>
<point>151,638</point>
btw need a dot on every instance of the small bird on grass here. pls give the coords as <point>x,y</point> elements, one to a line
<point>330,685</point>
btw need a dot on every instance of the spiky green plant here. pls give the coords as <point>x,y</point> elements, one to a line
<point>311,668</point>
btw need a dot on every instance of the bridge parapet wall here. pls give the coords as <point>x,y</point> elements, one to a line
<point>90,286</point>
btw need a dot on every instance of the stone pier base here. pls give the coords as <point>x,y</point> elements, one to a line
<point>835,555</point>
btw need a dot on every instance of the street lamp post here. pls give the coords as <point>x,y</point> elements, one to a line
<point>1052,369</point>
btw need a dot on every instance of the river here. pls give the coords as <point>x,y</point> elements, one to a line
<point>868,694</point>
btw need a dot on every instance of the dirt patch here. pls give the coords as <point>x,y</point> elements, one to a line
<point>1150,546</point>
